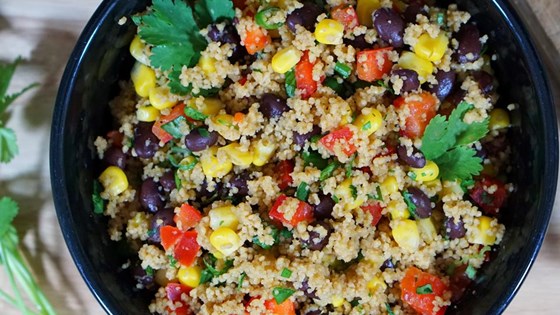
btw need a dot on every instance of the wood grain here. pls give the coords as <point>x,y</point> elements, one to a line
<point>44,33</point>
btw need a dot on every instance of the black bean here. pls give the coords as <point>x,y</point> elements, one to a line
<point>485,81</point>
<point>481,152</point>
<point>142,277</point>
<point>198,141</point>
<point>469,44</point>
<point>272,105</point>
<point>389,26</point>
<point>228,35</point>
<point>412,10</point>
<point>315,240</point>
<point>241,55</point>
<point>416,159</point>
<point>446,81</point>
<point>421,201</point>
<point>167,181</point>
<point>115,156</point>
<point>146,143</point>
<point>205,193</point>
<point>387,264</point>
<point>459,282</point>
<point>160,218</point>
<point>409,78</point>
<point>239,181</point>
<point>301,139</point>
<point>456,96</point>
<point>324,209</point>
<point>312,294</point>
<point>150,195</point>
<point>358,42</point>
<point>497,145</point>
<point>214,33</point>
<point>305,16</point>
<point>454,229</point>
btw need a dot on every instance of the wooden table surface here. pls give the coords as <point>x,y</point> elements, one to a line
<point>44,33</point>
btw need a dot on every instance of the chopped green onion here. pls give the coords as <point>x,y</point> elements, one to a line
<point>315,159</point>
<point>470,272</point>
<point>286,273</point>
<point>290,83</point>
<point>98,202</point>
<point>178,183</point>
<point>333,83</point>
<point>149,271</point>
<point>261,18</point>
<point>285,233</point>
<point>343,69</point>
<point>377,196</point>
<point>425,289</point>
<point>174,127</point>
<point>440,19</point>
<point>194,114</point>
<point>328,171</point>
<point>412,175</point>
<point>302,191</point>
<point>349,166</point>
<point>382,83</point>
<point>172,261</point>
<point>241,279</point>
<point>282,294</point>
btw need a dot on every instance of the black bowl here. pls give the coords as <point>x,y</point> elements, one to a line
<point>101,58</point>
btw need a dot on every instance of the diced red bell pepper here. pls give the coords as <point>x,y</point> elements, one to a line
<point>304,76</point>
<point>162,135</point>
<point>304,212</point>
<point>243,80</point>
<point>340,137</point>
<point>422,303</point>
<point>116,137</point>
<point>375,209</point>
<point>422,108</point>
<point>490,203</point>
<point>187,248</point>
<point>285,308</point>
<point>169,235</point>
<point>372,64</point>
<point>284,170</point>
<point>240,4</point>
<point>256,40</point>
<point>187,217</point>
<point>346,15</point>
<point>389,150</point>
<point>174,292</point>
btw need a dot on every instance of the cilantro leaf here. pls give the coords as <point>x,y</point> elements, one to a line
<point>175,85</point>
<point>8,145</point>
<point>473,132</point>
<point>8,211</point>
<point>210,11</point>
<point>167,57</point>
<point>6,74</point>
<point>459,162</point>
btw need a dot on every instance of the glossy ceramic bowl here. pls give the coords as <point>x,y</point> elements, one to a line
<point>101,58</point>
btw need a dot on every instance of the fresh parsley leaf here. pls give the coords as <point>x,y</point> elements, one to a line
<point>8,145</point>
<point>302,191</point>
<point>425,289</point>
<point>98,202</point>
<point>210,11</point>
<point>460,162</point>
<point>8,211</point>
<point>282,294</point>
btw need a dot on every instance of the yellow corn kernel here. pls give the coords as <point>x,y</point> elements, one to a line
<point>412,61</point>
<point>137,49</point>
<point>210,106</point>
<point>161,98</point>
<point>370,122</point>
<point>147,113</point>
<point>427,229</point>
<point>390,185</point>
<point>430,48</point>
<point>113,180</point>
<point>499,118</point>
<point>225,240</point>
<point>263,150</point>
<point>426,173</point>
<point>143,78</point>
<point>207,64</point>
<point>484,233</point>
<point>223,217</point>
<point>214,165</point>
<point>225,120</point>
<point>406,234</point>
<point>398,210</point>
<point>364,10</point>
<point>376,284</point>
<point>285,59</point>
<point>345,192</point>
<point>337,301</point>
<point>346,119</point>
<point>189,276</point>
<point>237,155</point>
<point>329,32</point>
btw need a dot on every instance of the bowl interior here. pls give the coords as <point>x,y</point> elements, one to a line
<point>101,58</point>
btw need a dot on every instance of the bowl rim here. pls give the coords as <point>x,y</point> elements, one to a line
<point>67,84</point>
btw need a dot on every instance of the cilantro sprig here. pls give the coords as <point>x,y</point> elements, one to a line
<point>447,143</point>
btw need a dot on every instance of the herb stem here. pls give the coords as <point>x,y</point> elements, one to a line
<point>9,271</point>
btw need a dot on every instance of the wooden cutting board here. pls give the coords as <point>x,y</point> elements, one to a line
<point>44,32</point>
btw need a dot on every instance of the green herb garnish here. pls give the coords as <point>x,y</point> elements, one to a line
<point>354,191</point>
<point>175,126</point>
<point>409,204</point>
<point>286,273</point>
<point>149,271</point>
<point>241,279</point>
<point>470,272</point>
<point>98,202</point>
<point>348,167</point>
<point>315,159</point>
<point>290,83</point>
<point>343,69</point>
<point>194,114</point>
<point>210,271</point>
<point>425,289</point>
<point>302,191</point>
<point>328,171</point>
<point>281,294</point>
<point>389,309</point>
